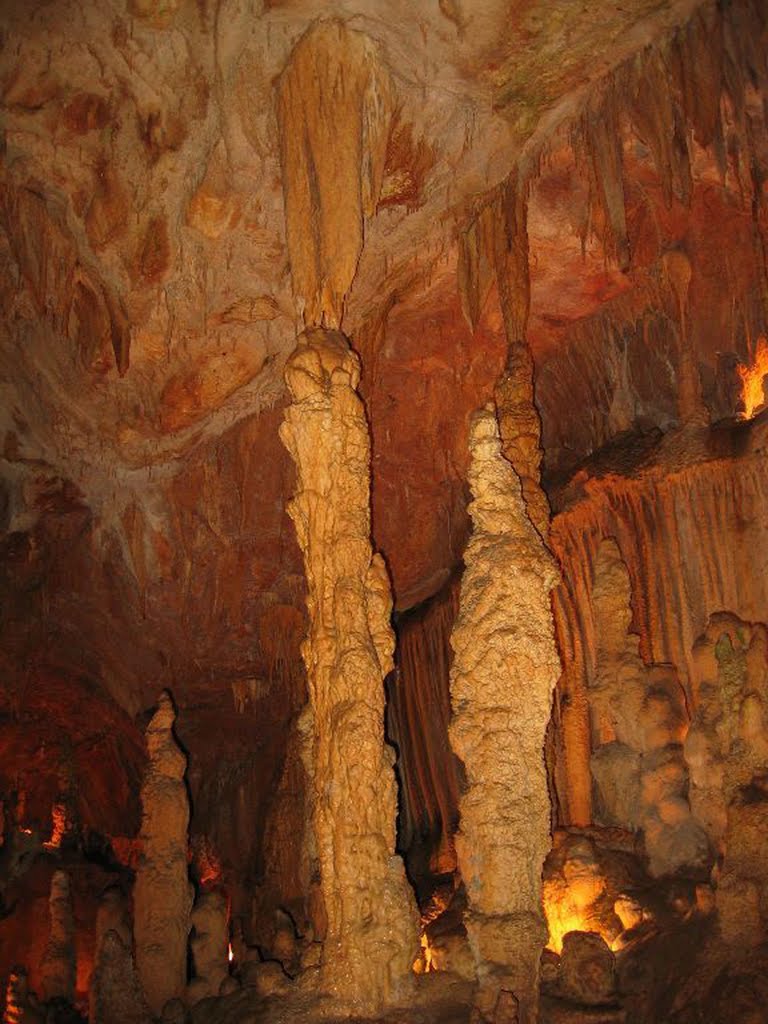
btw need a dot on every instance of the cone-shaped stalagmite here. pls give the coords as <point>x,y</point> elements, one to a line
<point>162,893</point>
<point>370,923</point>
<point>504,671</point>
<point>57,969</point>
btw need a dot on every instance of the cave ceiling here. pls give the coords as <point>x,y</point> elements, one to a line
<point>150,300</point>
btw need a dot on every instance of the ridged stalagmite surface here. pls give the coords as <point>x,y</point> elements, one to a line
<point>57,969</point>
<point>162,893</point>
<point>370,931</point>
<point>505,668</point>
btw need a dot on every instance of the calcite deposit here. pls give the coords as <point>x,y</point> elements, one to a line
<point>162,894</point>
<point>639,722</point>
<point>727,753</point>
<point>261,262</point>
<point>504,671</point>
<point>365,914</point>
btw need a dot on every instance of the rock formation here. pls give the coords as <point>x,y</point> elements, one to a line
<point>116,993</point>
<point>368,921</point>
<point>162,893</point>
<point>727,753</point>
<point>112,918</point>
<point>639,722</point>
<point>504,671</point>
<point>59,960</point>
<point>210,937</point>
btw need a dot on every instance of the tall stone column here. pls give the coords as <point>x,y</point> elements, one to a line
<point>371,930</point>
<point>162,894</point>
<point>504,671</point>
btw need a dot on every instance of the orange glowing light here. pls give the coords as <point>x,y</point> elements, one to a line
<point>426,962</point>
<point>58,827</point>
<point>230,953</point>
<point>752,380</point>
<point>566,912</point>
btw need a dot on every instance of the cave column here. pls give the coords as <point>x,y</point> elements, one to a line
<point>162,895</point>
<point>502,679</point>
<point>370,922</point>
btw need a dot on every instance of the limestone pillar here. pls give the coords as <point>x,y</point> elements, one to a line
<point>58,967</point>
<point>368,912</point>
<point>504,672</point>
<point>162,893</point>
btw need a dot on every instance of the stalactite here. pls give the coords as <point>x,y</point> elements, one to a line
<point>504,670</point>
<point>602,130</point>
<point>371,925</point>
<point>162,893</point>
<point>334,109</point>
<point>418,714</point>
<point>58,966</point>
<point>707,520</point>
<point>677,270</point>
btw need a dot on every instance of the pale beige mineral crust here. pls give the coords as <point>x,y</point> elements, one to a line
<point>162,893</point>
<point>370,922</point>
<point>58,967</point>
<point>504,671</point>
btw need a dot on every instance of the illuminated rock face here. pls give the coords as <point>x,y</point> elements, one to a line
<point>504,671</point>
<point>58,967</point>
<point>162,893</point>
<point>367,917</point>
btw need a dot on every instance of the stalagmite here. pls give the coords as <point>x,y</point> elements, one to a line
<point>58,966</point>
<point>161,894</point>
<point>370,937</point>
<point>116,994</point>
<point>210,920</point>
<point>504,671</point>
